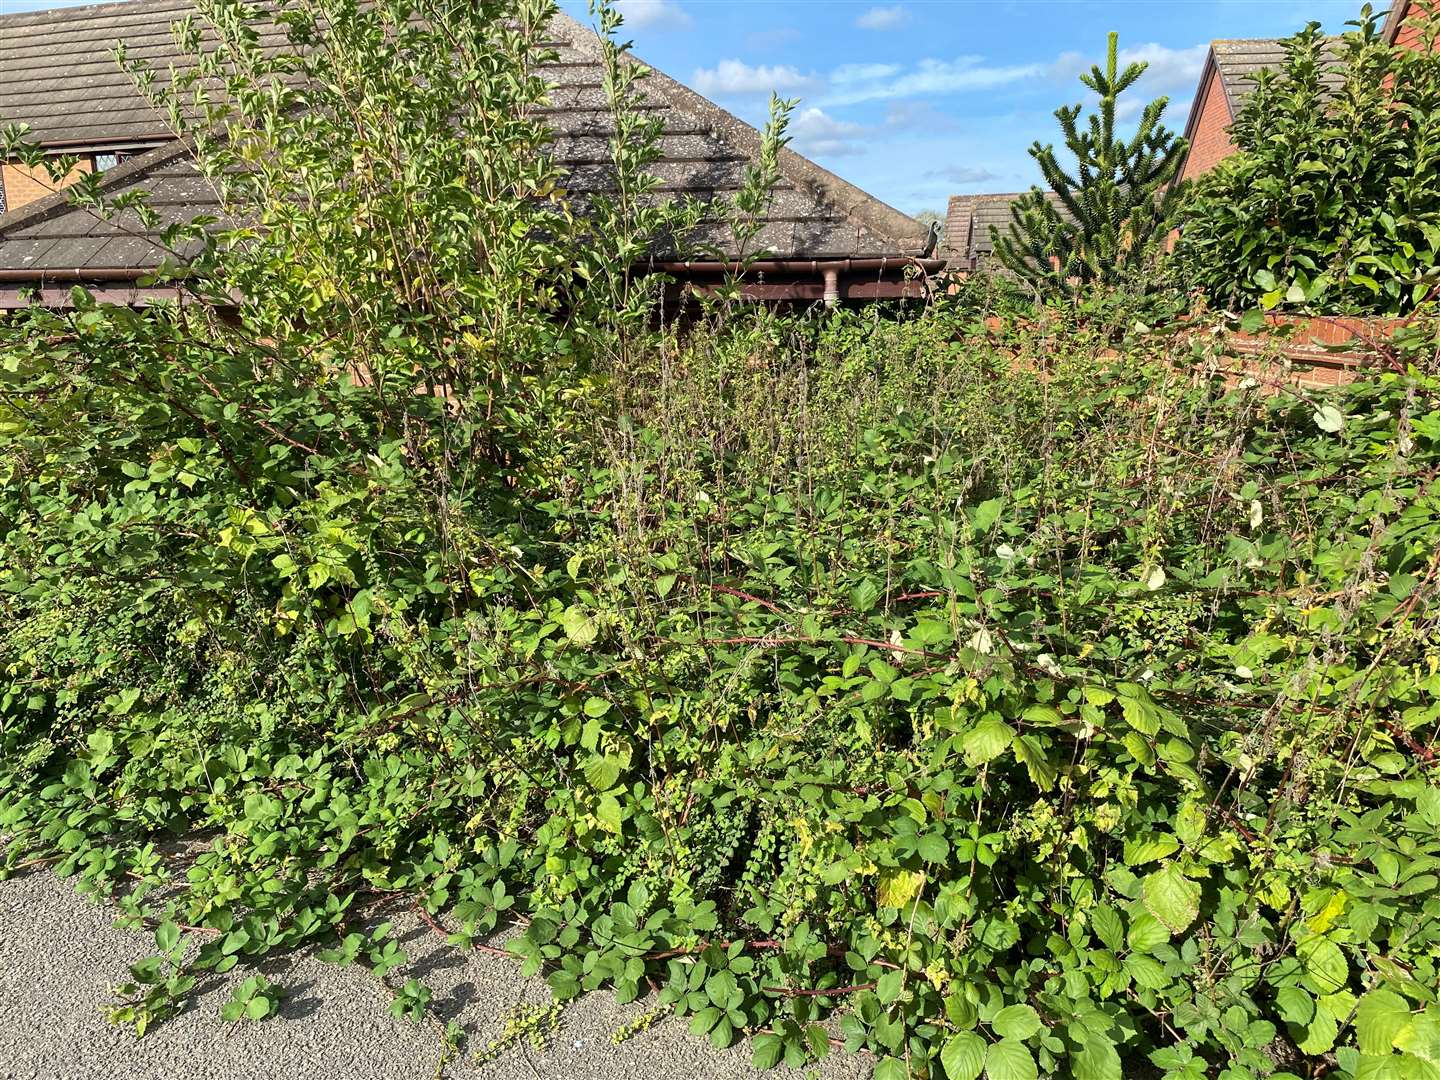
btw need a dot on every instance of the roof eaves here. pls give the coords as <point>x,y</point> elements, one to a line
<point>71,12</point>
<point>1208,74</point>
<point>1394,19</point>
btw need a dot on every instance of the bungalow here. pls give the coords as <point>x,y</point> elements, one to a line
<point>824,239</point>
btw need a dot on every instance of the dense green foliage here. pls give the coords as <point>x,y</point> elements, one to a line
<point>836,674</point>
<point>1332,203</point>
<point>1103,220</point>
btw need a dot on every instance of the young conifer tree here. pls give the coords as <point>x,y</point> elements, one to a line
<point>1105,221</point>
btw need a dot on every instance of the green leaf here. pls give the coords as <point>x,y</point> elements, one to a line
<point>1295,1005</point>
<point>864,595</point>
<point>602,772</point>
<point>890,1069</point>
<point>1146,933</point>
<point>963,1056</point>
<point>1328,418</point>
<point>889,985</point>
<point>578,625</point>
<point>1380,1018</point>
<point>1016,1022</point>
<point>987,740</point>
<point>932,847</point>
<point>608,811</point>
<point>1319,1035</point>
<point>768,1050</point>
<point>1325,969</point>
<point>1037,765</point>
<point>1109,927</point>
<point>1010,1060</point>
<point>1096,1058</point>
<point>1150,847</point>
<point>167,936</point>
<point>986,514</point>
<point>1172,897</point>
<point>125,701</point>
<point>563,984</point>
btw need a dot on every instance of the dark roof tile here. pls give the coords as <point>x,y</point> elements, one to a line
<point>968,221</point>
<point>62,80</point>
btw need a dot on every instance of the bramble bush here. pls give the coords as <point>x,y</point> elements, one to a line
<point>824,678</point>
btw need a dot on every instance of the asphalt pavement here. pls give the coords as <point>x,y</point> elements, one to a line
<point>60,956</point>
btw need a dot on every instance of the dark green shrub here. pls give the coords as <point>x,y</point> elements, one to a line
<point>1332,203</point>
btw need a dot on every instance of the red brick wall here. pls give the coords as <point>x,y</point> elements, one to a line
<point>25,185</point>
<point>1210,139</point>
<point>1409,33</point>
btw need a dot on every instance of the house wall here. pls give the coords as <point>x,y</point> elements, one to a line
<point>1408,35</point>
<point>24,185</point>
<point>1210,140</point>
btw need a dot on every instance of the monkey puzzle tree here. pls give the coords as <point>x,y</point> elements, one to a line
<point>1104,221</point>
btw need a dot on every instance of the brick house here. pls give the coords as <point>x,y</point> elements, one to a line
<point>1225,81</point>
<point>825,239</point>
<point>968,245</point>
<point>1402,23</point>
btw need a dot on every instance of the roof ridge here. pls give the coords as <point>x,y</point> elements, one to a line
<point>69,12</point>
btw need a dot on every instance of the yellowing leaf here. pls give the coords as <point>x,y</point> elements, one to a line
<point>898,887</point>
<point>1172,897</point>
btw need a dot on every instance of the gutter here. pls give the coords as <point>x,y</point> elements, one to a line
<point>99,273</point>
<point>829,270</point>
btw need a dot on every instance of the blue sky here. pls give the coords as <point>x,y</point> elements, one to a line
<point>914,100</point>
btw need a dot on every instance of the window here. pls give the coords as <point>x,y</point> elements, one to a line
<point>106,161</point>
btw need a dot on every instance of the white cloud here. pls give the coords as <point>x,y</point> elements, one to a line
<point>917,116</point>
<point>1166,68</point>
<point>879,82</point>
<point>818,134</point>
<point>662,14</point>
<point>853,74</point>
<point>883,18</point>
<point>964,174</point>
<point>731,77</point>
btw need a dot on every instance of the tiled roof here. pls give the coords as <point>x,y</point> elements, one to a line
<point>1238,61</point>
<point>968,221</point>
<point>58,72</point>
<point>58,75</point>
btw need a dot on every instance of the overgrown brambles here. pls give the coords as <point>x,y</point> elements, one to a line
<point>831,669</point>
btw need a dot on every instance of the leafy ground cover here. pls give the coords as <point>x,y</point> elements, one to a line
<point>824,679</point>
<point>1027,723</point>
